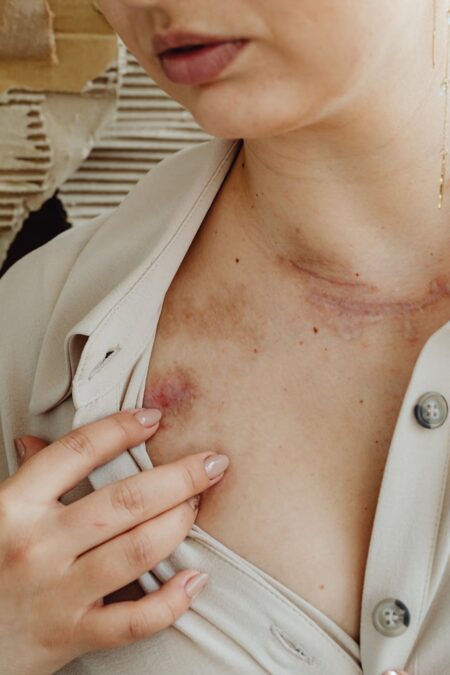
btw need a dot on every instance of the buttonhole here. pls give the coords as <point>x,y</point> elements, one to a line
<point>290,645</point>
<point>107,358</point>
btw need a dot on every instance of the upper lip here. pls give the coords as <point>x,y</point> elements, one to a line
<point>162,43</point>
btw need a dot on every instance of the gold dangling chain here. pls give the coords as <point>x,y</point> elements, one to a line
<point>433,46</point>
<point>444,91</point>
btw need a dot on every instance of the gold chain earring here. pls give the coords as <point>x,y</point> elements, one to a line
<point>433,44</point>
<point>444,92</point>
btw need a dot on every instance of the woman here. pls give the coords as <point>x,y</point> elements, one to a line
<point>293,287</point>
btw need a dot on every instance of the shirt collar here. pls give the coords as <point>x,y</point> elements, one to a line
<point>108,303</point>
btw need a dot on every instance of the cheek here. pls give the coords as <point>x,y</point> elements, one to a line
<point>323,45</point>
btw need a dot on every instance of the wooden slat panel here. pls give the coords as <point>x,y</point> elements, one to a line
<point>148,126</point>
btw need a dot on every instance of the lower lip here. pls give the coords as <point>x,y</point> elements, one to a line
<point>202,65</point>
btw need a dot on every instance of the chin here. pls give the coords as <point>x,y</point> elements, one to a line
<point>239,109</point>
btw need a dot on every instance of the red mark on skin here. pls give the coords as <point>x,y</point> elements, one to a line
<point>350,307</point>
<point>334,281</point>
<point>172,392</point>
<point>345,306</point>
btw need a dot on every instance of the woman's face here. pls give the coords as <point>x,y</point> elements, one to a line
<point>304,58</point>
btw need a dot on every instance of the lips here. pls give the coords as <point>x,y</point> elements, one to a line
<point>182,38</point>
<point>189,48</point>
<point>199,64</point>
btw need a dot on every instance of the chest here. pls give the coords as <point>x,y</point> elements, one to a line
<point>307,424</point>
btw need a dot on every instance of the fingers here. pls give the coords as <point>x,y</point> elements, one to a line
<point>115,508</point>
<point>125,558</point>
<point>27,446</point>
<point>121,623</point>
<point>67,461</point>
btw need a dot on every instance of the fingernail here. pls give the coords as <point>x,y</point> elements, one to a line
<point>195,584</point>
<point>216,465</point>
<point>20,447</point>
<point>194,502</point>
<point>148,416</point>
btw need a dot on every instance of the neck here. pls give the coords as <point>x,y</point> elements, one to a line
<point>351,201</point>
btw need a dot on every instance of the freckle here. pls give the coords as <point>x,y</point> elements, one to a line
<point>99,524</point>
<point>243,164</point>
<point>237,259</point>
<point>316,330</point>
<point>255,350</point>
<point>321,587</point>
<point>325,349</point>
<point>301,342</point>
<point>357,274</point>
<point>361,400</point>
<point>376,441</point>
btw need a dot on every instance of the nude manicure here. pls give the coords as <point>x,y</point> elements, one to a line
<point>195,584</point>
<point>194,502</point>
<point>148,416</point>
<point>216,465</point>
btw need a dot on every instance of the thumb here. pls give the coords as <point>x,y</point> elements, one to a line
<point>27,446</point>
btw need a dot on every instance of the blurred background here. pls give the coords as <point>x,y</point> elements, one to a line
<point>80,121</point>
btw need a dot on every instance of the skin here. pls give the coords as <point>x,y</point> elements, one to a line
<point>333,199</point>
<point>173,392</point>
<point>341,117</point>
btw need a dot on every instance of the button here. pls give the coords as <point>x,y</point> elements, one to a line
<point>431,410</point>
<point>391,617</point>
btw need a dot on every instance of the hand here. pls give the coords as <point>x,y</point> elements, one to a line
<point>58,562</point>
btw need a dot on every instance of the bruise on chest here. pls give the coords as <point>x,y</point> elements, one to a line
<point>173,391</point>
<point>202,341</point>
<point>223,314</point>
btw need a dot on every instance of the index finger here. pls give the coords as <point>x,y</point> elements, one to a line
<point>64,463</point>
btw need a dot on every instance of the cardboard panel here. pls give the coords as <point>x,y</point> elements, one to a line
<point>80,16</point>
<point>26,31</point>
<point>85,46</point>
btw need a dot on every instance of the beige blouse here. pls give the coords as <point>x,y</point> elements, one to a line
<point>75,346</point>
